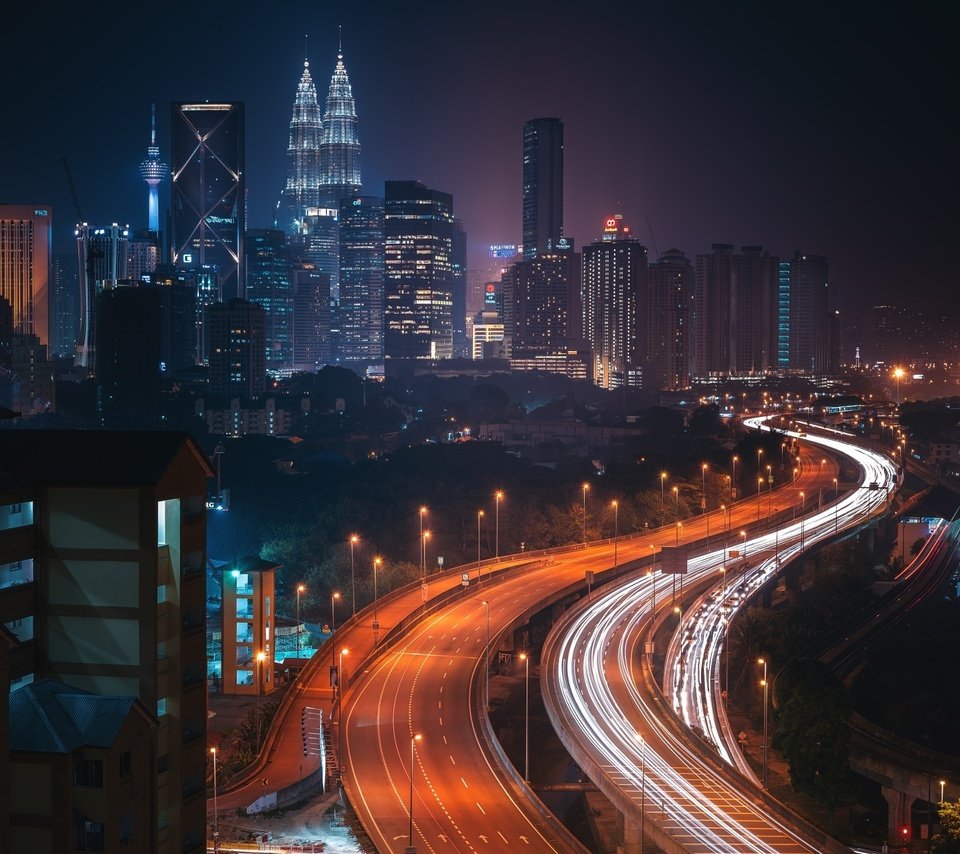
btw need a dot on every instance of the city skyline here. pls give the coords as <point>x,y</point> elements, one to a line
<point>825,134</point>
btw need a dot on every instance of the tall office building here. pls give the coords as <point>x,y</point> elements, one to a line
<point>237,349</point>
<point>735,311</point>
<point>811,320</point>
<point>615,306</point>
<point>26,251</point>
<point>311,318</point>
<point>360,312</point>
<point>103,537</point>
<point>208,196</point>
<point>103,259</point>
<point>64,305</point>
<point>153,170</point>
<point>542,186</point>
<point>178,318</point>
<point>269,285</point>
<point>303,158</point>
<point>418,278</point>
<point>339,144</point>
<point>542,307</point>
<point>128,353</point>
<point>671,306</point>
<point>458,271</point>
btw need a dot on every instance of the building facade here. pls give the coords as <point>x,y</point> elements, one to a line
<point>671,298</point>
<point>360,311</point>
<point>418,271</point>
<point>269,284</point>
<point>303,158</point>
<point>103,254</point>
<point>237,348</point>
<point>542,165</point>
<point>208,193</point>
<point>26,254</point>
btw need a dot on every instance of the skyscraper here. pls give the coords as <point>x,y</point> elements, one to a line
<point>811,320</point>
<point>361,279</point>
<point>269,285</point>
<point>303,159</point>
<point>102,257</point>
<point>26,250</point>
<point>418,276</point>
<point>209,210</point>
<point>153,170</point>
<point>311,318</point>
<point>735,311</point>
<point>615,306</point>
<point>237,351</point>
<point>340,144</point>
<point>64,305</point>
<point>671,304</point>
<point>542,186</point>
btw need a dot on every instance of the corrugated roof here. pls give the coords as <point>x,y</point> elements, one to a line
<point>89,457</point>
<point>50,717</point>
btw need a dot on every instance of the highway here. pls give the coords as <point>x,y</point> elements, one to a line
<point>602,704</point>
<point>428,684</point>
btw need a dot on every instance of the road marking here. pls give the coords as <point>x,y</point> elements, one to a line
<point>504,838</point>
<point>481,808</point>
<point>465,786</point>
<point>454,761</point>
<point>444,738</point>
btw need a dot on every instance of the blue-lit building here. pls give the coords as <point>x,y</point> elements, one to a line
<point>360,312</point>
<point>153,170</point>
<point>302,191</point>
<point>269,285</point>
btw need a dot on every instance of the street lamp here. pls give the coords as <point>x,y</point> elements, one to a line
<point>898,372</point>
<point>759,487</point>
<point>413,742</point>
<point>376,565</point>
<point>663,477</point>
<point>942,784</point>
<point>423,556</point>
<point>479,517</point>
<point>703,488</point>
<point>526,717</point>
<point>586,486</point>
<point>643,791</point>
<point>261,657</point>
<point>300,590</point>
<point>676,495</point>
<point>763,682</point>
<point>354,539</point>
<point>743,535</point>
<point>733,478</point>
<point>803,500</point>
<point>836,507</point>
<point>216,824</point>
<point>616,520</point>
<point>340,686</point>
<point>498,495</point>
<point>423,568</point>
<point>486,660</point>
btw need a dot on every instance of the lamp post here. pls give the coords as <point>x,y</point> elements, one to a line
<point>423,569</point>
<point>898,372</point>
<point>479,517</point>
<point>354,539</point>
<point>733,478</point>
<point>942,784</point>
<point>486,661</point>
<point>261,657</point>
<point>763,682</point>
<point>586,486</point>
<point>426,537</point>
<point>300,590</point>
<point>525,658</point>
<point>216,822</point>
<point>413,742</point>
<point>663,477</point>
<point>743,535</point>
<point>759,487</point>
<point>803,501</point>
<point>676,496</point>
<point>498,495</point>
<point>703,488</point>
<point>376,566</point>
<point>643,791</point>
<point>340,685</point>
<point>836,508</point>
<point>616,531</point>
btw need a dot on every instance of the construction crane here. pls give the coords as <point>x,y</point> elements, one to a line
<point>73,190</point>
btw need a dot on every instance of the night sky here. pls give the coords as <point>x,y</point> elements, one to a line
<point>793,126</point>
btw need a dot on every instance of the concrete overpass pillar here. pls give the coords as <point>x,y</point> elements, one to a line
<point>631,836</point>
<point>898,810</point>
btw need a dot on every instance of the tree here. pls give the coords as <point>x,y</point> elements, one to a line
<point>812,711</point>
<point>947,841</point>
